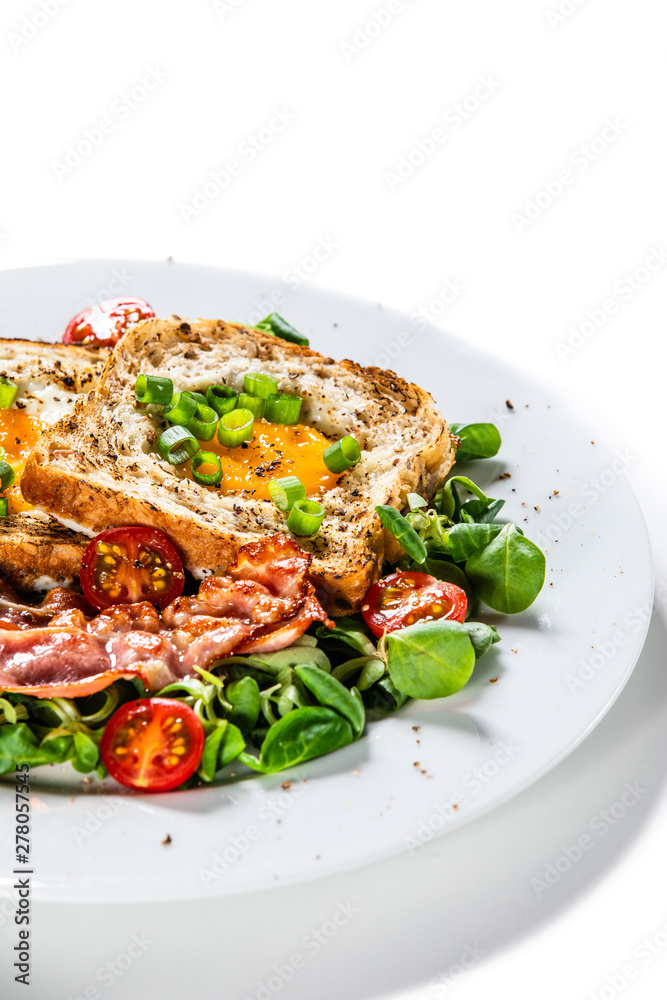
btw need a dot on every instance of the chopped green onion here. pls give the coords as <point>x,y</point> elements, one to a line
<point>4,506</point>
<point>402,531</point>
<point>8,392</point>
<point>154,389</point>
<point>176,445</point>
<point>285,491</point>
<point>7,475</point>
<point>221,398</point>
<point>203,423</point>
<point>2,452</point>
<point>415,501</point>
<point>260,384</point>
<point>342,455</point>
<point>255,404</point>
<point>181,408</point>
<point>235,428</point>
<point>279,327</point>
<point>283,409</point>
<point>206,478</point>
<point>200,397</point>
<point>305,517</point>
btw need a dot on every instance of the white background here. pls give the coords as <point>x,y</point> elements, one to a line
<point>354,105</point>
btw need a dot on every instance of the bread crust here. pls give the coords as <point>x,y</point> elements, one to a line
<point>98,468</point>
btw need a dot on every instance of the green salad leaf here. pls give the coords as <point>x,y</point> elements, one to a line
<point>509,572</point>
<point>303,734</point>
<point>243,696</point>
<point>402,531</point>
<point>477,441</point>
<point>431,659</point>
<point>86,753</point>
<point>466,538</point>
<point>279,327</point>
<point>222,746</point>
<point>482,636</point>
<point>333,694</point>
<point>351,631</point>
<point>18,744</point>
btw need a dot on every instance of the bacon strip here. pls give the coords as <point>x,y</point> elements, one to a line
<point>271,639</point>
<point>62,649</point>
<point>52,663</point>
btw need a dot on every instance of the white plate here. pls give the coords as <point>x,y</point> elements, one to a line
<point>532,699</point>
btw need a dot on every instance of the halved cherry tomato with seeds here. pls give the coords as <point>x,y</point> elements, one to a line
<point>154,744</point>
<point>402,599</point>
<point>105,324</point>
<point>129,565</point>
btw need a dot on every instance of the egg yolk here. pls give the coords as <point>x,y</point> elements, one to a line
<point>276,450</point>
<point>18,435</point>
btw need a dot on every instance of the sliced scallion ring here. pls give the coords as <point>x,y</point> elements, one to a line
<point>200,397</point>
<point>176,445</point>
<point>4,506</point>
<point>255,404</point>
<point>204,422</point>
<point>206,460</point>
<point>284,492</point>
<point>7,475</point>
<point>260,384</point>
<point>283,409</point>
<point>181,408</point>
<point>305,517</point>
<point>235,428</point>
<point>221,398</point>
<point>8,390</point>
<point>154,389</point>
<point>342,455</point>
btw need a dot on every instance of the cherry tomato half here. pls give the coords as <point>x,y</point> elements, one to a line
<point>402,599</point>
<point>105,324</point>
<point>154,744</point>
<point>128,565</point>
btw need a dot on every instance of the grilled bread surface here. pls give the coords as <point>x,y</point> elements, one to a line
<point>50,376</point>
<point>99,467</point>
<point>36,552</point>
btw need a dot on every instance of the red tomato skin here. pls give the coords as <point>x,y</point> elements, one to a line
<point>131,535</point>
<point>105,324</point>
<point>163,706</point>
<point>380,621</point>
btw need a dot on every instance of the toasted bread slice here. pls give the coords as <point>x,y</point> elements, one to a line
<point>36,552</point>
<point>99,467</point>
<point>50,377</point>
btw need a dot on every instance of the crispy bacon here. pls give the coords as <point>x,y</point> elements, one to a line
<point>28,616</point>
<point>48,661</point>
<point>61,648</point>
<point>275,562</point>
<point>221,597</point>
<point>205,640</point>
<point>125,618</point>
<point>70,663</point>
<point>271,639</point>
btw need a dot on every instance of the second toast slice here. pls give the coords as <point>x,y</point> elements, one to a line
<point>99,467</point>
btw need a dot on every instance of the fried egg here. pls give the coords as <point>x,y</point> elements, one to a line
<point>275,450</point>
